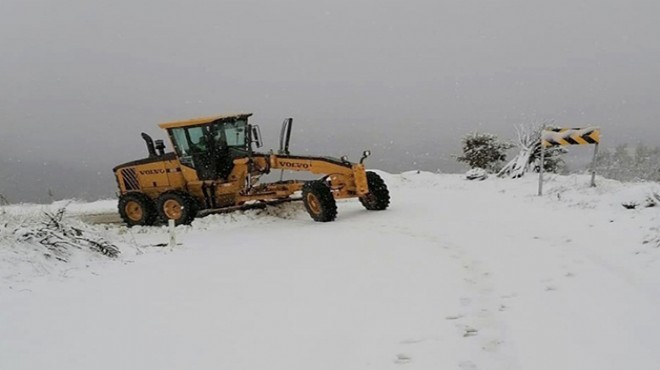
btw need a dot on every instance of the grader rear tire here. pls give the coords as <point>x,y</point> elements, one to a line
<point>177,206</point>
<point>319,202</point>
<point>137,209</point>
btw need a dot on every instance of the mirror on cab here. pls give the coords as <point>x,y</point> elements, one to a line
<point>256,136</point>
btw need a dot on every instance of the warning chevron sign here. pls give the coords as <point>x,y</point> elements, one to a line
<point>570,136</point>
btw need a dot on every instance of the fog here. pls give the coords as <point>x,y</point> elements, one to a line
<point>80,80</point>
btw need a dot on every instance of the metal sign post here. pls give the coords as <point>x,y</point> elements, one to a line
<point>593,167</point>
<point>569,136</point>
<point>541,168</point>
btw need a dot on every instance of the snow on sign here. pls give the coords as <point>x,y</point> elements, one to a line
<point>570,136</point>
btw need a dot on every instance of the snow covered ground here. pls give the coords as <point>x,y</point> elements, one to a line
<point>456,274</point>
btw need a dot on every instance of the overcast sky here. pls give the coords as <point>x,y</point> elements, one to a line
<point>79,79</point>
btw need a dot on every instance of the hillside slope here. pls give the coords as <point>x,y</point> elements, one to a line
<point>455,275</point>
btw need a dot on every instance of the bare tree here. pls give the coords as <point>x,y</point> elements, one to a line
<point>529,152</point>
<point>529,139</point>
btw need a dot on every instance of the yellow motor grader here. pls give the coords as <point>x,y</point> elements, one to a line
<point>213,168</point>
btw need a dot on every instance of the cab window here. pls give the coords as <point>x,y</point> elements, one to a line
<point>181,142</point>
<point>197,139</point>
<point>235,133</point>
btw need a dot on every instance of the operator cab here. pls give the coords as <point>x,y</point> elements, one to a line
<point>210,145</point>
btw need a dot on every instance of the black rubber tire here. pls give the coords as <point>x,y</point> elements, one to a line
<point>378,198</point>
<point>185,207</point>
<point>319,201</point>
<point>145,205</point>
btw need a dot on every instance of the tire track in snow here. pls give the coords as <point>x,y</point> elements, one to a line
<point>479,321</point>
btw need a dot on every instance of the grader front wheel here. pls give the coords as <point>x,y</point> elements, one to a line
<point>378,197</point>
<point>319,202</point>
<point>137,209</point>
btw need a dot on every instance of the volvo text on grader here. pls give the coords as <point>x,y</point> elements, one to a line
<point>213,168</point>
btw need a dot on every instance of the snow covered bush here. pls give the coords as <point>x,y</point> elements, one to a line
<point>476,174</point>
<point>627,164</point>
<point>649,201</point>
<point>58,237</point>
<point>485,151</point>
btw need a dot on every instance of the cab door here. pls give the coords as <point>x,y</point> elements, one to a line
<point>194,146</point>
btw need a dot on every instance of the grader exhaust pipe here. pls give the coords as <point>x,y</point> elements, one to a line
<point>285,136</point>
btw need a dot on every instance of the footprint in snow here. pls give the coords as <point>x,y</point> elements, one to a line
<point>509,296</point>
<point>402,358</point>
<point>492,346</point>
<point>412,341</point>
<point>467,365</point>
<point>469,332</point>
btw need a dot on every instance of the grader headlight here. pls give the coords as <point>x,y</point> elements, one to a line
<point>365,154</point>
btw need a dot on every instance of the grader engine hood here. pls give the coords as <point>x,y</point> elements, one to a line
<point>307,163</point>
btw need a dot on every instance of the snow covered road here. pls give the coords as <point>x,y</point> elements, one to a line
<point>455,275</point>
